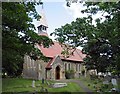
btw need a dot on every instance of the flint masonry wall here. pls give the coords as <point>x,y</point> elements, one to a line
<point>36,69</point>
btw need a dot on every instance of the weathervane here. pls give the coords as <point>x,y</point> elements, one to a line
<point>42,6</point>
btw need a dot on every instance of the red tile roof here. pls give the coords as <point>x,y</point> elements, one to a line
<point>50,63</point>
<point>56,49</point>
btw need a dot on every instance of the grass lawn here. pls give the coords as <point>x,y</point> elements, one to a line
<point>25,85</point>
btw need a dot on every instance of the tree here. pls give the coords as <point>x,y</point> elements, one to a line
<point>109,32</point>
<point>18,36</point>
<point>100,42</point>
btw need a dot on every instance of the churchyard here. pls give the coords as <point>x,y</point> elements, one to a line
<point>25,85</point>
<point>28,85</point>
<point>97,36</point>
<point>106,84</point>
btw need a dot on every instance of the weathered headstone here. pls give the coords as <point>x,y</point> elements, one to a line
<point>57,85</point>
<point>33,83</point>
<point>114,81</point>
<point>107,78</point>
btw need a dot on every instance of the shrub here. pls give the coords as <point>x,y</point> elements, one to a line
<point>83,72</point>
<point>69,74</point>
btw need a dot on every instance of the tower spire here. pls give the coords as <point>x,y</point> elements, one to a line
<point>42,24</point>
<point>42,5</point>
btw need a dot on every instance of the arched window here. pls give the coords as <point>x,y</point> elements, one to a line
<point>76,67</point>
<point>79,67</point>
<point>65,66</point>
<point>69,66</point>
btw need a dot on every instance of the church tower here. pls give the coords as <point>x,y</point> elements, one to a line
<point>42,28</point>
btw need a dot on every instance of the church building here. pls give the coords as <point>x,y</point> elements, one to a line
<point>57,65</point>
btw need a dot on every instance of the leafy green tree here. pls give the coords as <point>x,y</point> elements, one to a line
<point>18,36</point>
<point>100,42</point>
<point>108,31</point>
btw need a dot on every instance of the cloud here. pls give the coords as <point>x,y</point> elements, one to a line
<point>75,10</point>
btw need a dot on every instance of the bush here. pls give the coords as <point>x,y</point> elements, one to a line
<point>83,72</point>
<point>69,74</point>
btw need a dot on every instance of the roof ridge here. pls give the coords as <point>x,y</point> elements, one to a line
<point>56,50</point>
<point>49,64</point>
<point>79,54</point>
<point>54,58</point>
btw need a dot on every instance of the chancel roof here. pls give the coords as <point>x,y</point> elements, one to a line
<point>56,49</point>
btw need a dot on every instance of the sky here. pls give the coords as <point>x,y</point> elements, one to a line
<point>58,14</point>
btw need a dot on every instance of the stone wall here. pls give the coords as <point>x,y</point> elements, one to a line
<point>29,68</point>
<point>77,67</point>
<point>36,69</point>
<point>33,69</point>
<point>58,62</point>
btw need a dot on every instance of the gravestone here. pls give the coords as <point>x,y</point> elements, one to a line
<point>114,81</point>
<point>33,83</point>
<point>58,85</point>
<point>106,79</point>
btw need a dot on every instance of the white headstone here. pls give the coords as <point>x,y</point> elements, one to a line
<point>57,85</point>
<point>114,81</point>
<point>33,83</point>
